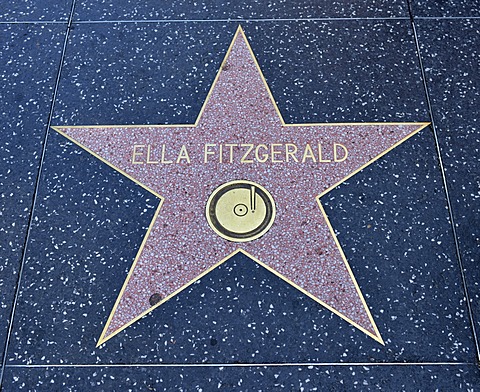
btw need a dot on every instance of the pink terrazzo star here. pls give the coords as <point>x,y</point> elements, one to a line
<point>184,164</point>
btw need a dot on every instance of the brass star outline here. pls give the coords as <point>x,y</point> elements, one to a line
<point>375,334</point>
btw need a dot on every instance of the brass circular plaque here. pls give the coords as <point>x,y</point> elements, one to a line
<point>240,211</point>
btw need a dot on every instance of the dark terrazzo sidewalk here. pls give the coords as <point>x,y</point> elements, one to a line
<point>71,226</point>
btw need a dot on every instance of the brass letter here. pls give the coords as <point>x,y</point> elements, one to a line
<point>137,153</point>
<point>183,154</point>
<point>265,155</point>
<point>231,145</point>
<point>207,153</point>
<point>308,153</point>
<point>148,155</point>
<point>291,153</point>
<point>244,158</point>
<point>273,152</point>
<point>163,155</point>
<point>335,155</point>
<point>320,158</point>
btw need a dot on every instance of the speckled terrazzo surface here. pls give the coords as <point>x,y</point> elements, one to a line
<point>69,240</point>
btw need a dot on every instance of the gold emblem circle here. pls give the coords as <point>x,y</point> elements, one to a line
<point>240,211</point>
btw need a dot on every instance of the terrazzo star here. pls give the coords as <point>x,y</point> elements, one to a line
<point>238,207</point>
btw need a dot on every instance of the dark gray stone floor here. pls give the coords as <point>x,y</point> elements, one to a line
<point>409,224</point>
